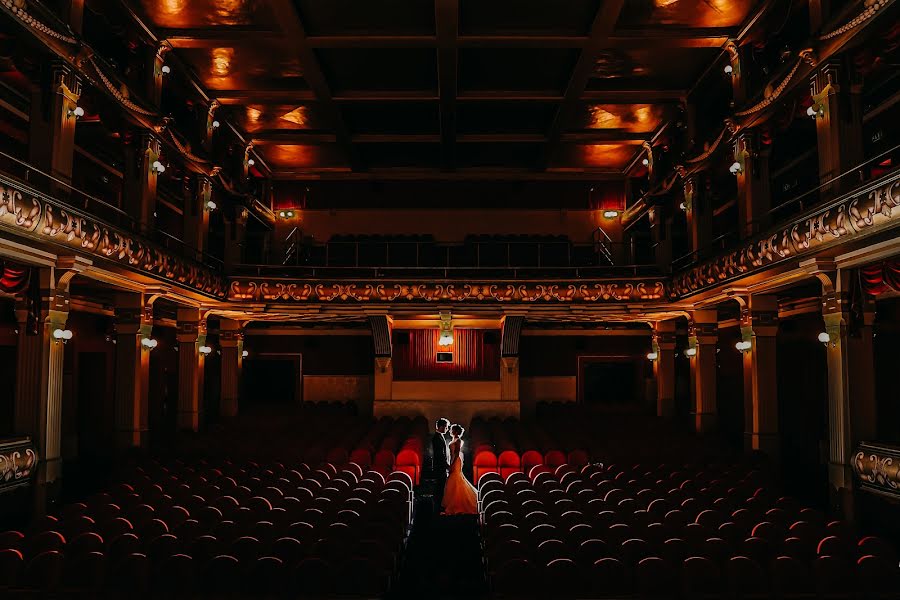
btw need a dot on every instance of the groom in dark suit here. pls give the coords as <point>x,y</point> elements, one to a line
<point>440,461</point>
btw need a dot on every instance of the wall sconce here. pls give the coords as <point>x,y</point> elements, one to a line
<point>646,162</point>
<point>729,70</point>
<point>683,206</point>
<point>62,335</point>
<point>690,352</point>
<point>205,350</point>
<point>211,206</point>
<point>166,69</point>
<point>286,214</point>
<point>610,214</point>
<point>816,110</point>
<point>744,346</point>
<point>825,338</point>
<point>652,356</point>
<point>250,162</point>
<point>736,168</point>
<point>158,167</point>
<point>216,124</point>
<point>245,354</point>
<point>76,112</point>
<point>149,343</point>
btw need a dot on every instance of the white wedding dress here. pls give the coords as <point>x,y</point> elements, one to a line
<point>460,496</point>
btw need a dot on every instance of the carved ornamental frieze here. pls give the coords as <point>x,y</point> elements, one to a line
<point>18,463</point>
<point>262,290</point>
<point>38,216</point>
<point>866,211</point>
<point>878,468</point>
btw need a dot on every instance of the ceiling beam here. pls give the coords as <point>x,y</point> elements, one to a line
<point>287,16</point>
<point>372,41</point>
<point>446,18</point>
<point>604,23</point>
<point>215,36</point>
<point>634,96</point>
<point>262,96</point>
<point>460,174</point>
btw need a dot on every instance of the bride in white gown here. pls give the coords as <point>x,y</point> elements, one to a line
<point>460,496</point>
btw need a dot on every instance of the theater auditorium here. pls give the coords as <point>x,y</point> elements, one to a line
<point>488,299</point>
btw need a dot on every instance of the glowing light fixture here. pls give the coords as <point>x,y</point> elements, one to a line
<point>651,356</point>
<point>446,337</point>
<point>216,124</point>
<point>210,205</point>
<point>736,168</point>
<point>251,162</point>
<point>158,167</point>
<point>245,354</point>
<point>610,214</point>
<point>149,343</point>
<point>205,350</point>
<point>76,112</point>
<point>166,69</point>
<point>690,352</point>
<point>646,162</point>
<point>824,337</point>
<point>62,335</point>
<point>729,69</point>
<point>286,214</point>
<point>743,345</point>
<point>682,206</point>
<point>815,111</point>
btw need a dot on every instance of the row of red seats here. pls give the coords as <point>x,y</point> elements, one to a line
<point>688,531</point>
<point>510,461</point>
<point>219,527</point>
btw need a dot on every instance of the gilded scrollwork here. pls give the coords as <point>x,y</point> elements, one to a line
<point>18,462</point>
<point>256,290</point>
<point>878,468</point>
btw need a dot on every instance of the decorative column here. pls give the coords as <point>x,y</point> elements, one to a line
<point>699,215</point>
<point>235,232</point>
<point>382,326</point>
<point>39,369</point>
<point>660,229</point>
<point>738,86</point>
<point>134,324</point>
<point>850,358</point>
<point>210,124</point>
<point>191,335</point>
<point>838,112</point>
<point>664,367</point>
<point>197,195</point>
<point>753,198</point>
<point>231,340</point>
<point>759,327</point>
<point>140,179</point>
<point>510,332</point>
<point>155,81</point>
<point>52,123</point>
<point>702,346</point>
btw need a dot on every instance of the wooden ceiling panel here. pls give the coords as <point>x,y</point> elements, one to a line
<point>190,14</point>
<point>515,68</point>
<point>504,117</point>
<point>595,156</point>
<point>372,17</point>
<point>391,117</point>
<point>675,68</point>
<point>290,157</point>
<point>379,68</point>
<point>685,13</point>
<point>254,118</point>
<point>401,156</point>
<point>498,154</point>
<point>560,17</point>
<point>262,64</point>
<point>631,118</point>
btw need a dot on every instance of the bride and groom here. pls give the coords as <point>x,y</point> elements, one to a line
<point>453,494</point>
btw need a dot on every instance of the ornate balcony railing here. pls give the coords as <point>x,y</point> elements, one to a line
<point>18,463</point>
<point>27,211</point>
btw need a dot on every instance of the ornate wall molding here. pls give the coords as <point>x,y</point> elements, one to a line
<point>863,212</point>
<point>18,463</point>
<point>30,213</point>
<point>878,468</point>
<point>274,290</point>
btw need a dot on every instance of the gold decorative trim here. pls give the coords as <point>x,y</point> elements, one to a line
<point>878,468</point>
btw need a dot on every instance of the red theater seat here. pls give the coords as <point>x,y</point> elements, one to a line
<point>485,462</point>
<point>508,463</point>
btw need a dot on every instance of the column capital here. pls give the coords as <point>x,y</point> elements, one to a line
<point>231,334</point>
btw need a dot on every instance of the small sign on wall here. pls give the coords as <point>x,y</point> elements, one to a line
<point>445,357</point>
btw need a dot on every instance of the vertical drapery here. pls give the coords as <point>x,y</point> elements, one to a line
<point>880,278</point>
<point>474,356</point>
